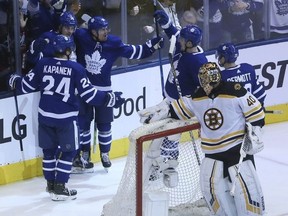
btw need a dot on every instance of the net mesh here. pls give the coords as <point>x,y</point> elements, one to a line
<point>186,197</point>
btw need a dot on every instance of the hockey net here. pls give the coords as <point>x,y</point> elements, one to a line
<point>185,198</point>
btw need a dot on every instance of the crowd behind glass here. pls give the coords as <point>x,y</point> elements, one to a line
<point>238,21</point>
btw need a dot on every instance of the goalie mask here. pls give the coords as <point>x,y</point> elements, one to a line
<point>209,76</point>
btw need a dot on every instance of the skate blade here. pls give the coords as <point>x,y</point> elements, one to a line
<point>81,170</point>
<point>56,197</point>
<point>106,169</point>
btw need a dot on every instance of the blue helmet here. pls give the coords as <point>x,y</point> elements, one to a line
<point>228,51</point>
<point>68,19</point>
<point>96,23</point>
<point>192,33</point>
<point>62,43</point>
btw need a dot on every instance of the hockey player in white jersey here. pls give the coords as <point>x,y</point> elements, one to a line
<point>223,109</point>
<point>59,79</point>
<point>243,73</point>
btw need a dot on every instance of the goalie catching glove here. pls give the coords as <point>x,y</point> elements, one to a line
<point>253,142</point>
<point>155,113</point>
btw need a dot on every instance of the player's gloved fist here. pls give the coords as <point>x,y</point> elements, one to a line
<point>114,99</point>
<point>255,136</point>
<point>155,113</point>
<point>39,45</point>
<point>162,18</point>
<point>57,4</point>
<point>155,43</point>
<point>12,80</point>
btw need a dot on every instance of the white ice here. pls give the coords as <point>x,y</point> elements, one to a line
<point>28,198</point>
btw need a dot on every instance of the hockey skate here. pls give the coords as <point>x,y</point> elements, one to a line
<point>50,186</point>
<point>106,163</point>
<point>61,193</point>
<point>82,164</point>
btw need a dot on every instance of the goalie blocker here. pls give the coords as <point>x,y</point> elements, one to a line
<point>222,109</point>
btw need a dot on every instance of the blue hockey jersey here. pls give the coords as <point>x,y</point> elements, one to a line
<point>60,81</point>
<point>186,66</point>
<point>99,57</point>
<point>245,74</point>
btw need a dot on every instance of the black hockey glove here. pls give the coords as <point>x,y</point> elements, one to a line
<point>38,45</point>
<point>114,99</point>
<point>155,43</point>
<point>162,18</point>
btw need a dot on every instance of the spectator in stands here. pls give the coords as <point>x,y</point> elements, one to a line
<point>278,14</point>
<point>236,18</point>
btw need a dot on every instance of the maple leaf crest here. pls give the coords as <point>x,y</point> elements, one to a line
<point>171,76</point>
<point>94,63</point>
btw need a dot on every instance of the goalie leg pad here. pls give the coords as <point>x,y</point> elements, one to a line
<point>215,188</point>
<point>248,196</point>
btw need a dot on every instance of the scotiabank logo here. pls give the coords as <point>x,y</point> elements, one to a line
<point>131,105</point>
<point>273,74</point>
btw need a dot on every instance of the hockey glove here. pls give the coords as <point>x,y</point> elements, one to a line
<point>12,80</point>
<point>114,99</point>
<point>155,113</point>
<point>253,143</point>
<point>58,5</point>
<point>155,43</point>
<point>162,18</point>
<point>38,45</point>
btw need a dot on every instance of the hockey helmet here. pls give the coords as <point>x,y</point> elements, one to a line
<point>68,19</point>
<point>97,23</point>
<point>191,33</point>
<point>228,51</point>
<point>209,76</point>
<point>63,43</point>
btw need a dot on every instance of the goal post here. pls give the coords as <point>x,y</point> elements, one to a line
<point>135,184</point>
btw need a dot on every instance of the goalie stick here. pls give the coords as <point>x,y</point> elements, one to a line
<point>171,54</point>
<point>242,156</point>
<point>273,111</point>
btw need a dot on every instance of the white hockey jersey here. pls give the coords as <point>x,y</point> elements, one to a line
<point>222,115</point>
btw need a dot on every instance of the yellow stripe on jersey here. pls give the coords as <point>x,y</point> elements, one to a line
<point>255,114</point>
<point>181,110</point>
<point>219,144</point>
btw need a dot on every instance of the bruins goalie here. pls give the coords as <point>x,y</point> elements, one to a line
<point>231,122</point>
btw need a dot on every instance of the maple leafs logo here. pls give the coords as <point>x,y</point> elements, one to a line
<point>94,63</point>
<point>171,76</point>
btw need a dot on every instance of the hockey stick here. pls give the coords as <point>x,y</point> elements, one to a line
<point>18,119</point>
<point>273,111</point>
<point>159,51</point>
<point>171,54</point>
<point>242,156</point>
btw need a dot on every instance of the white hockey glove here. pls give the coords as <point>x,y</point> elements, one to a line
<point>254,142</point>
<point>12,80</point>
<point>155,113</point>
<point>58,5</point>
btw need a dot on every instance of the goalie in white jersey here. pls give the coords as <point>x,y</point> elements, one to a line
<point>224,111</point>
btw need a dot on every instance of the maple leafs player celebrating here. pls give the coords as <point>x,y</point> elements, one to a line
<point>243,73</point>
<point>58,78</point>
<point>223,110</point>
<point>188,58</point>
<point>97,50</point>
